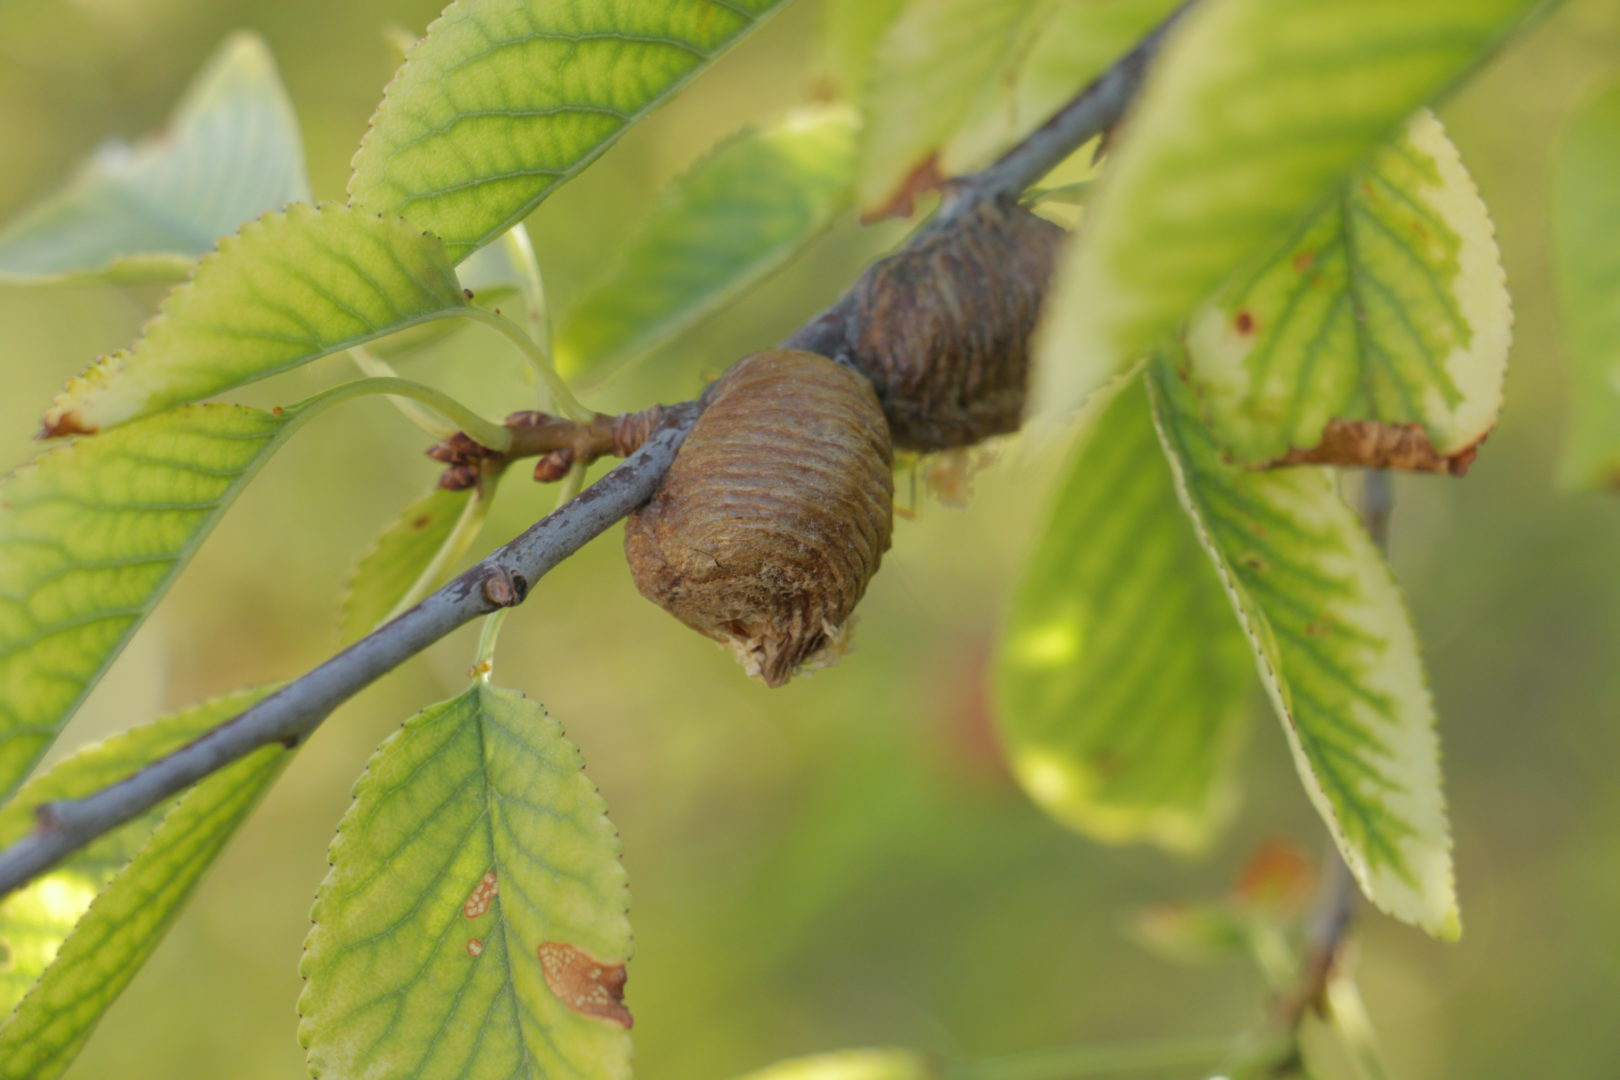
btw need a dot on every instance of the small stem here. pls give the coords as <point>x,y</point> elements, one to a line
<point>488,636</point>
<point>520,250</point>
<point>1102,1059</point>
<point>377,368</point>
<point>495,436</point>
<point>1377,504</point>
<point>562,399</point>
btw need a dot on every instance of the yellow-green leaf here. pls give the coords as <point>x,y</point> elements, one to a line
<point>738,215</point>
<point>1255,110</point>
<point>1336,653</point>
<point>1123,682</point>
<point>504,100</point>
<point>1378,335</point>
<point>931,67</point>
<point>231,151</point>
<point>473,924</point>
<point>404,551</point>
<point>851,1065</point>
<point>851,30</point>
<point>91,535</point>
<point>288,288</point>
<point>128,917</point>
<point>1587,220</point>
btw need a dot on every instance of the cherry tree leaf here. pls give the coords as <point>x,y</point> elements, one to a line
<point>473,924</point>
<point>504,100</point>
<point>1587,220</point>
<point>738,215</point>
<point>91,534</point>
<point>397,561</point>
<point>232,151</point>
<point>1336,653</point>
<point>288,288</point>
<point>1254,112</point>
<point>167,851</point>
<point>929,70</point>
<point>37,918</point>
<point>852,1065</point>
<point>1377,336</point>
<point>850,32</point>
<point>1123,682</point>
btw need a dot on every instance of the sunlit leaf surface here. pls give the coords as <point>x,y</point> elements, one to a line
<point>137,903</point>
<point>1254,112</point>
<point>1336,652</point>
<point>1377,336</point>
<point>473,924</point>
<point>504,100</point>
<point>288,288</point>
<point>91,535</point>
<point>1123,681</point>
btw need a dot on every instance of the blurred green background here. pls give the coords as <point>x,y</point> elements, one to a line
<point>844,861</point>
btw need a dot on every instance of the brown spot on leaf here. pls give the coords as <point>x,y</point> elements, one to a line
<point>1243,322</point>
<point>422,521</point>
<point>583,983</point>
<point>59,425</point>
<point>924,178</point>
<point>482,896</point>
<point>1304,260</point>
<point>1375,445</point>
<point>475,946</point>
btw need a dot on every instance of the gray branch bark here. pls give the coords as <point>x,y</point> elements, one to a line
<point>506,576</point>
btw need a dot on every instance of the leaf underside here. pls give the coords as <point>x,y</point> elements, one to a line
<point>136,903</point>
<point>231,151</point>
<point>288,288</point>
<point>1336,653</point>
<point>739,214</point>
<point>91,534</point>
<point>1254,112</point>
<point>504,100</point>
<point>473,923</point>
<point>1376,336</point>
<point>1123,683</point>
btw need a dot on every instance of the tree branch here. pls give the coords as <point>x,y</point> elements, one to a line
<point>505,577</point>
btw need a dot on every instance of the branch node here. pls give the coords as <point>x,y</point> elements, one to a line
<point>505,588</point>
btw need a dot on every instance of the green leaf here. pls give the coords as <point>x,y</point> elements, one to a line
<point>1123,683</point>
<point>91,535</point>
<point>285,290</point>
<point>37,918</point>
<point>1336,652</point>
<point>929,71</point>
<point>851,1065</point>
<point>129,917</point>
<point>504,100</point>
<point>1587,221</point>
<point>473,924</point>
<point>231,151</point>
<point>738,215</point>
<point>850,32</point>
<point>1254,112</point>
<point>404,551</point>
<point>1070,43</point>
<point>1377,336</point>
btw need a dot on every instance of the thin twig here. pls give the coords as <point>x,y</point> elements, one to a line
<point>504,578</point>
<point>291,714</point>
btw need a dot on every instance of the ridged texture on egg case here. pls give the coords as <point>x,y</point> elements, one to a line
<point>943,328</point>
<point>775,513</point>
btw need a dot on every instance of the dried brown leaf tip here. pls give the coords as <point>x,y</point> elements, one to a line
<point>584,983</point>
<point>943,327</point>
<point>775,513</point>
<point>1374,445</point>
